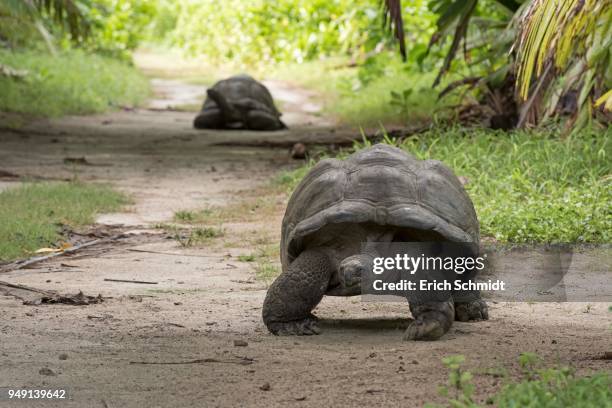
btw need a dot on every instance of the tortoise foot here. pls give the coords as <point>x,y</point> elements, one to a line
<point>303,327</point>
<point>428,326</point>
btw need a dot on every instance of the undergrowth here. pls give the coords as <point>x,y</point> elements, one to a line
<point>527,186</point>
<point>71,83</point>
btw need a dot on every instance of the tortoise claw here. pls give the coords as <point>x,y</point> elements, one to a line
<point>424,329</point>
<point>303,327</point>
<point>474,310</point>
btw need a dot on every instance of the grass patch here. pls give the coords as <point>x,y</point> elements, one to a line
<point>265,267</point>
<point>196,236</point>
<point>247,258</point>
<point>32,216</point>
<point>72,83</point>
<point>245,210</point>
<point>369,94</point>
<point>545,388</point>
<point>527,187</point>
<point>266,271</point>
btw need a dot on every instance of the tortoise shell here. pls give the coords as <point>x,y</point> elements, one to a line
<point>382,185</point>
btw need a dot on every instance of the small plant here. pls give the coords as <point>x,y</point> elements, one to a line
<point>558,387</point>
<point>542,388</point>
<point>528,361</point>
<point>266,270</point>
<point>247,258</point>
<point>197,235</point>
<point>265,267</point>
<point>193,217</point>
<point>186,216</point>
<point>459,383</point>
<point>401,100</point>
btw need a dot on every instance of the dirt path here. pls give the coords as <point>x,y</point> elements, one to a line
<point>171,344</point>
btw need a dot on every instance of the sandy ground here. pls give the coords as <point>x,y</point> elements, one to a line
<point>171,344</point>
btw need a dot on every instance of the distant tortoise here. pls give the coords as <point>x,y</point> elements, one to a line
<point>379,194</point>
<point>239,102</point>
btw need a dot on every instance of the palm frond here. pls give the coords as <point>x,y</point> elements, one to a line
<point>392,18</point>
<point>459,11</point>
<point>554,34</point>
<point>65,13</point>
<point>605,100</point>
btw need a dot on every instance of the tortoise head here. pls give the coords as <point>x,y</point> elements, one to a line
<point>353,267</point>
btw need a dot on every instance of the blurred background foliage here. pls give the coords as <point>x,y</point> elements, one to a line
<point>506,62</point>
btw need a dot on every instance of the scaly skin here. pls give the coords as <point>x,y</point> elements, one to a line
<point>431,320</point>
<point>293,295</point>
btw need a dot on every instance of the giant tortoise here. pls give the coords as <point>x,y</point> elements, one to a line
<point>378,194</point>
<point>239,102</point>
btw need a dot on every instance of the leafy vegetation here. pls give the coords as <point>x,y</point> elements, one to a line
<point>286,30</point>
<point>526,186</point>
<point>111,27</point>
<point>195,236</point>
<point>545,388</point>
<point>381,90</point>
<point>572,38</point>
<point>566,44</point>
<point>34,215</point>
<point>74,83</point>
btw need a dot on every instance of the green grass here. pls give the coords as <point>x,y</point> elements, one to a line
<point>72,83</point>
<point>556,387</point>
<point>266,269</point>
<point>32,216</point>
<point>527,187</point>
<point>196,236</point>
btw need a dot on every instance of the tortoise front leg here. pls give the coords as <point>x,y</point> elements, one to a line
<point>209,118</point>
<point>431,320</point>
<point>262,120</point>
<point>293,295</point>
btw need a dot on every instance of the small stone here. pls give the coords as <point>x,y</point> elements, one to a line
<point>178,303</point>
<point>464,180</point>
<point>29,314</point>
<point>414,362</point>
<point>46,371</point>
<point>301,398</point>
<point>265,387</point>
<point>63,356</point>
<point>372,355</point>
<point>240,343</point>
<point>554,342</point>
<point>298,151</point>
